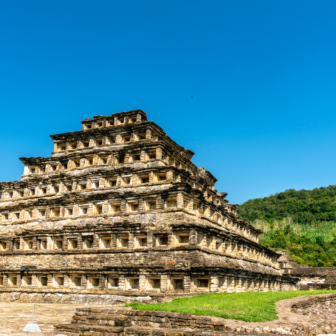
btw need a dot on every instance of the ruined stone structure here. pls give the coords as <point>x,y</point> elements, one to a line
<point>122,322</point>
<point>310,278</point>
<point>119,212</point>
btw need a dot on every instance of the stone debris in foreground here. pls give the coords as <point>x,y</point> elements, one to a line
<point>88,321</point>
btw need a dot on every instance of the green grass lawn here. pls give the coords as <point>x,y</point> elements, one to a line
<point>252,307</point>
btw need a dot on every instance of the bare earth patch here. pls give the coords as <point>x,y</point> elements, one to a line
<point>15,316</point>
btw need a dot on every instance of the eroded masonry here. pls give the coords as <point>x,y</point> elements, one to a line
<point>118,213</point>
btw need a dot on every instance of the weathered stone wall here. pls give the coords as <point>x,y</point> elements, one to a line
<point>76,299</point>
<point>131,322</point>
<point>183,257</point>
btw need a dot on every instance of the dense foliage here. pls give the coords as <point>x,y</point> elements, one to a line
<point>314,245</point>
<point>302,222</point>
<point>302,206</point>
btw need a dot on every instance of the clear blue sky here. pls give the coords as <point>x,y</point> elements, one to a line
<point>262,75</point>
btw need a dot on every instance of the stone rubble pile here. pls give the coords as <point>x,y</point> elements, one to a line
<point>304,329</point>
<point>320,318</point>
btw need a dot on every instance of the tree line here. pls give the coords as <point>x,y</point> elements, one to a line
<point>303,206</point>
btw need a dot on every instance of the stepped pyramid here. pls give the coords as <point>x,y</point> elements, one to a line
<point>120,213</point>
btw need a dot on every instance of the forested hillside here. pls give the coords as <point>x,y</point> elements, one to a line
<point>302,222</point>
<point>303,206</point>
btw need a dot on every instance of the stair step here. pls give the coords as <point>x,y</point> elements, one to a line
<point>87,327</point>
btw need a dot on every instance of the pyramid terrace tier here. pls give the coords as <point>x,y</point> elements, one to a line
<point>160,230</point>
<point>133,154</point>
<point>120,137</point>
<point>129,158</point>
<point>116,119</point>
<point>122,285</point>
<point>112,196</point>
<point>111,256</point>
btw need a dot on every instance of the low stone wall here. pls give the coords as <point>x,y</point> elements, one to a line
<point>311,301</point>
<point>316,286</point>
<point>317,278</point>
<point>80,299</point>
<point>101,321</point>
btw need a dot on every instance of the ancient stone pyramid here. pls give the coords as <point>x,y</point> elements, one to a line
<point>118,213</point>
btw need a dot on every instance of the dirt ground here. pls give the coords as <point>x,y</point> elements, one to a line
<point>14,317</point>
<point>319,317</point>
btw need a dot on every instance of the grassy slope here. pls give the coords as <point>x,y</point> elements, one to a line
<point>302,222</point>
<point>251,307</point>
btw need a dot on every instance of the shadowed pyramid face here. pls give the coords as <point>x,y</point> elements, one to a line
<point>119,205</point>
